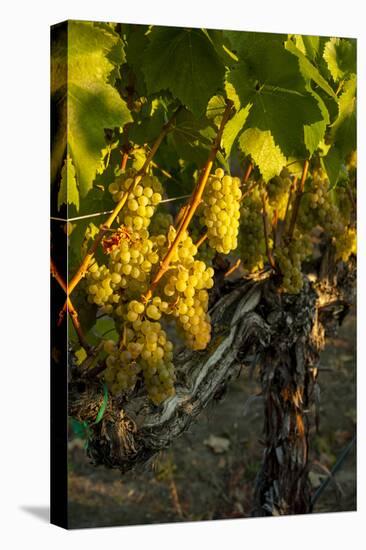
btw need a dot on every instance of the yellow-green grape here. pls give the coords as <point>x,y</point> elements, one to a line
<point>220,211</point>
<point>278,189</point>
<point>290,258</point>
<point>346,244</point>
<point>252,244</point>
<point>142,199</point>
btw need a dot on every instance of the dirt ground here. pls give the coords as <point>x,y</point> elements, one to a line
<point>209,473</point>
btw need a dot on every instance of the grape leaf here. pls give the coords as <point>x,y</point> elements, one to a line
<point>308,70</point>
<point>343,130</point>
<point>268,77</point>
<point>312,46</point>
<point>232,129</point>
<point>261,146</point>
<point>215,109</point>
<point>332,163</point>
<point>105,328</point>
<point>340,56</point>
<point>93,103</point>
<point>314,133</point>
<point>68,192</point>
<point>191,137</point>
<point>147,128</point>
<point>185,62</point>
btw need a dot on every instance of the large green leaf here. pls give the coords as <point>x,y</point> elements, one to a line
<point>93,104</point>
<point>343,130</point>
<point>314,133</point>
<point>185,62</point>
<point>340,56</point>
<point>191,137</point>
<point>311,45</point>
<point>332,163</point>
<point>261,146</point>
<point>268,77</point>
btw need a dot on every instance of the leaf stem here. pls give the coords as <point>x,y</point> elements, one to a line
<point>247,173</point>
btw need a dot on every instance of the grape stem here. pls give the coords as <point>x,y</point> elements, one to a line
<point>247,173</point>
<point>70,307</point>
<point>193,203</point>
<point>81,272</point>
<point>266,231</point>
<point>299,193</point>
<point>233,268</point>
<point>124,161</point>
<point>201,240</point>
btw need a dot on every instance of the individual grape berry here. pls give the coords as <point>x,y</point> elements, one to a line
<point>220,211</point>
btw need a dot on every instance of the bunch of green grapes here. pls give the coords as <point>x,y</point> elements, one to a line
<point>142,200</point>
<point>145,348</point>
<point>318,206</point>
<point>344,205</point>
<point>252,244</point>
<point>346,244</point>
<point>100,284</point>
<point>220,211</point>
<point>289,259</point>
<point>185,285</point>
<point>278,189</point>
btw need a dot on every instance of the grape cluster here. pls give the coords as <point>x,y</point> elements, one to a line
<point>127,275</point>
<point>346,244</point>
<point>252,242</point>
<point>142,199</point>
<point>278,192</point>
<point>318,206</point>
<point>221,211</point>
<point>186,285</point>
<point>145,348</point>
<point>290,258</point>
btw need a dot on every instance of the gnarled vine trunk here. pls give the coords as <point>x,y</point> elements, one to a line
<point>254,325</point>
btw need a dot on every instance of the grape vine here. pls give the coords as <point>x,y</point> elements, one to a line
<point>264,199</point>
